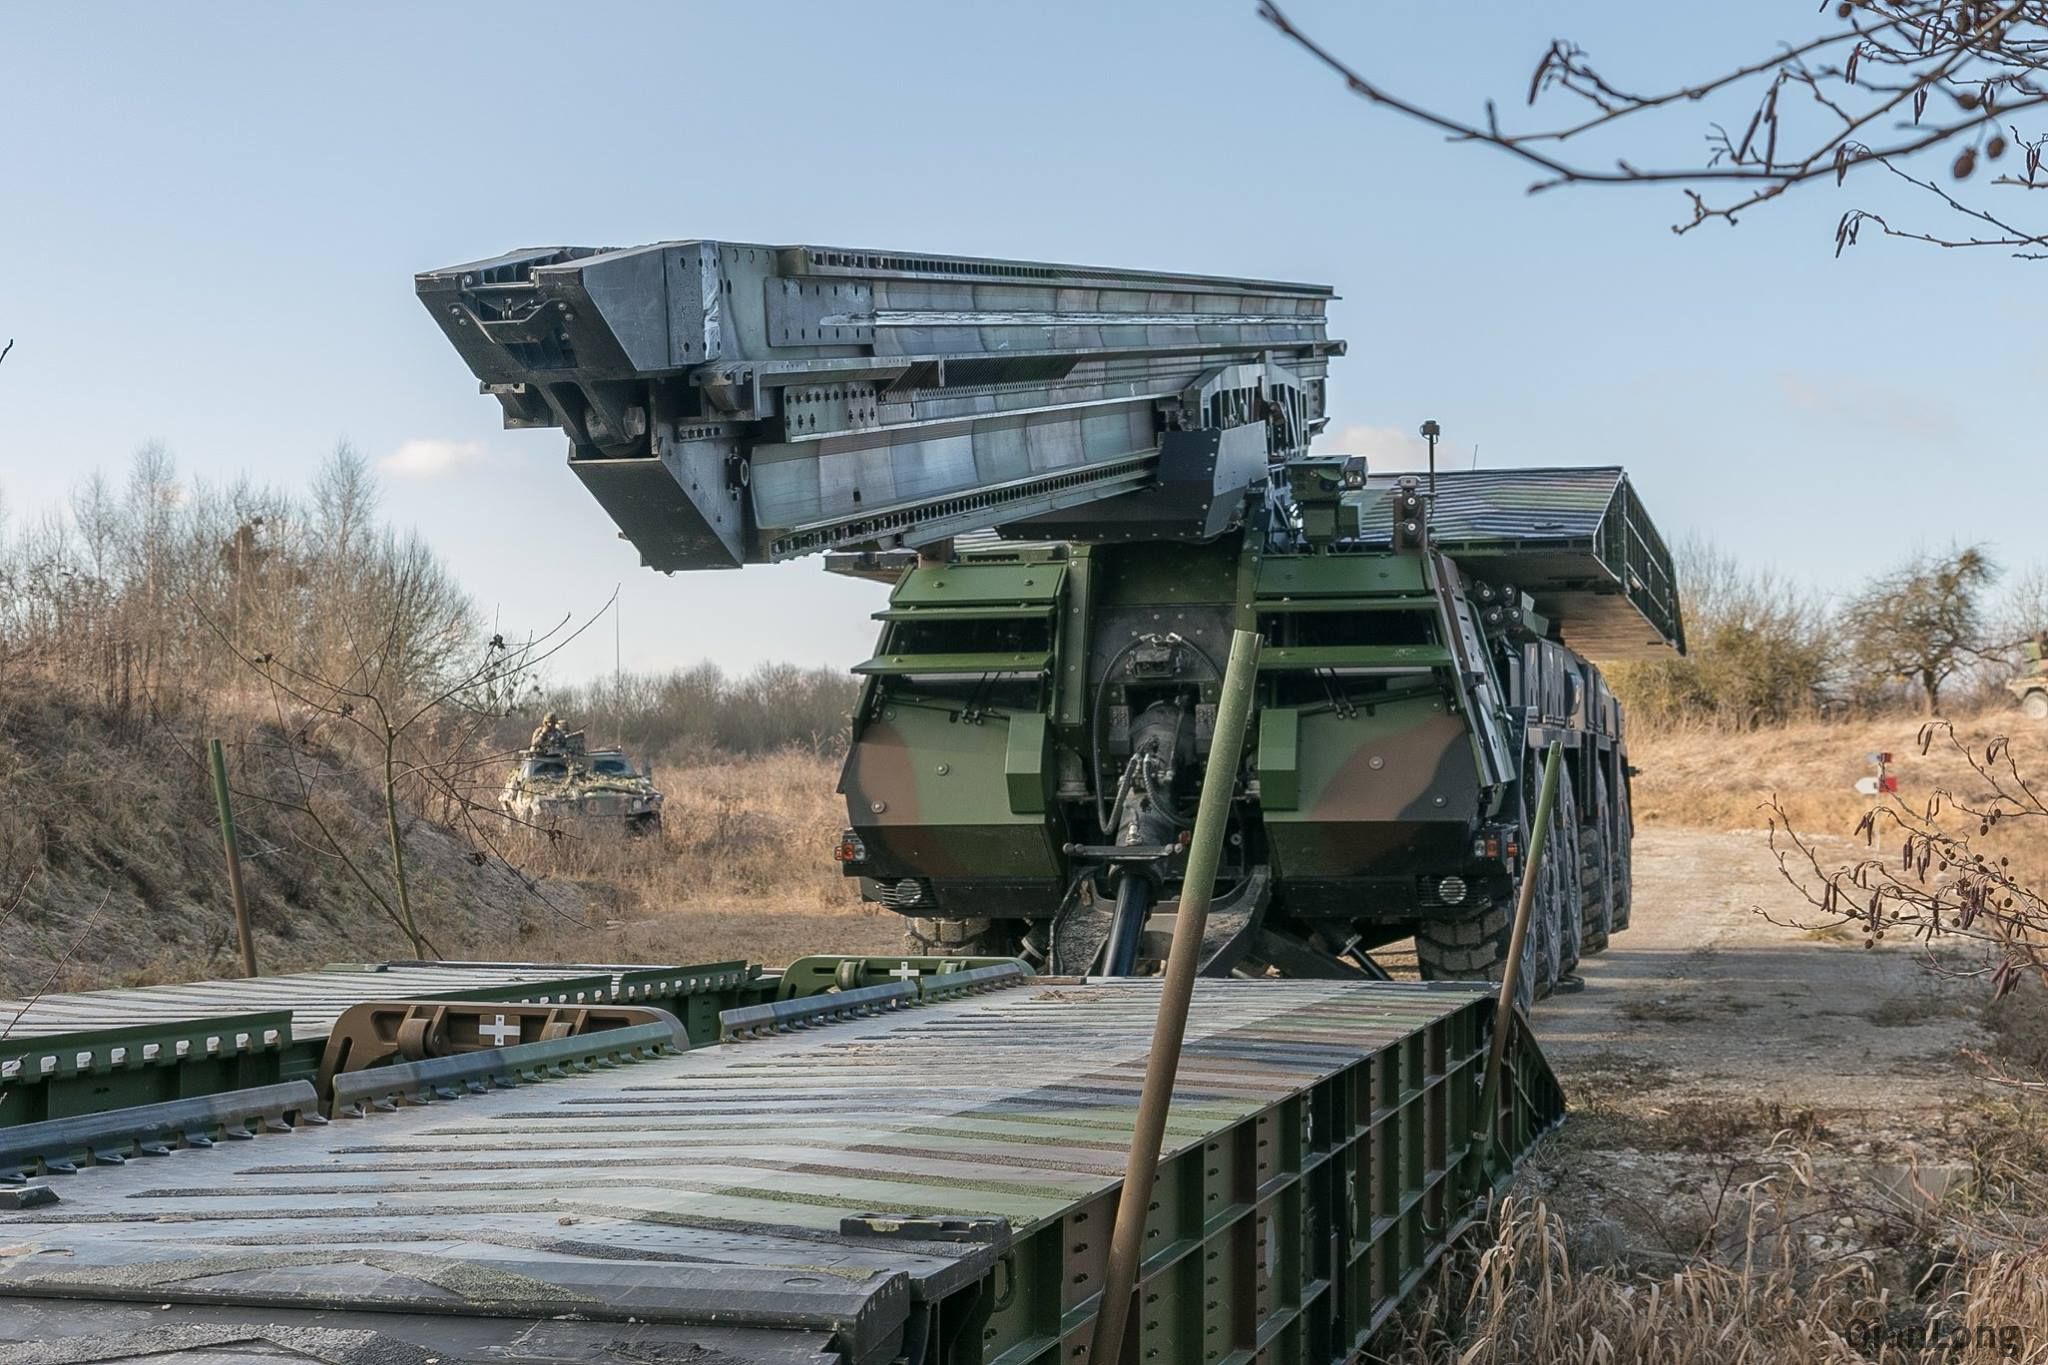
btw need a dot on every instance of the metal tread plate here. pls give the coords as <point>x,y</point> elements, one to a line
<point>68,1332</point>
<point>315,999</point>
<point>710,1187</point>
<point>1576,539</point>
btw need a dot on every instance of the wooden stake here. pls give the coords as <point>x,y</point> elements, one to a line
<point>233,849</point>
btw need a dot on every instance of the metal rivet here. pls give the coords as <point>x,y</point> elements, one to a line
<point>1376,762</point>
<point>943,769</point>
<point>878,806</point>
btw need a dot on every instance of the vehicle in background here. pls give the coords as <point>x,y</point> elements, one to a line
<point>559,784</point>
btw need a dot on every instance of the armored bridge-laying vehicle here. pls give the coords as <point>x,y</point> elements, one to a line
<point>1079,482</point>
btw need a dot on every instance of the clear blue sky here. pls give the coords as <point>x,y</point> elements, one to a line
<point>213,214</point>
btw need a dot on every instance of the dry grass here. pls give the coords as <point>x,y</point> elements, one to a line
<point>110,825</point>
<point>742,869</point>
<point>107,827</point>
<point>1708,779</point>
<point>1715,780</point>
<point>1770,1290</point>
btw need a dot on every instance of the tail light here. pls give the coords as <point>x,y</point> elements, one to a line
<point>851,849</point>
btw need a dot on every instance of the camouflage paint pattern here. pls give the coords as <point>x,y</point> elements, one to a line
<point>928,792</point>
<point>579,794</point>
<point>1367,783</point>
<point>958,780</point>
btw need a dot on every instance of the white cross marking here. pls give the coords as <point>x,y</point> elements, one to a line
<point>903,973</point>
<point>498,1031</point>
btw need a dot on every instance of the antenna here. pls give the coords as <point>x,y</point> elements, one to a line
<point>1475,454</point>
<point>618,676</point>
<point>1430,431</point>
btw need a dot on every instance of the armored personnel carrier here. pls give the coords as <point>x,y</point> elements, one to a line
<point>558,782</point>
<point>1079,481</point>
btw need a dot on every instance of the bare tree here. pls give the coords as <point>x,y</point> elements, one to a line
<point>1923,621</point>
<point>1888,84</point>
<point>415,710</point>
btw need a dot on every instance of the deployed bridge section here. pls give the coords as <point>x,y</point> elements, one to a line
<point>733,403</point>
<point>928,1183</point>
<point>70,1054</point>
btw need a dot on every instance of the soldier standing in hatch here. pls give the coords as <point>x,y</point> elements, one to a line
<point>548,734</point>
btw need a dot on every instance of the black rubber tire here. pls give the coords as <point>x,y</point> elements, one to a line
<point>963,937</point>
<point>1596,855</point>
<point>1475,948</point>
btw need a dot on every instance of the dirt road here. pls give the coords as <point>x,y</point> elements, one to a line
<point>1712,1047</point>
<point>1710,996</point>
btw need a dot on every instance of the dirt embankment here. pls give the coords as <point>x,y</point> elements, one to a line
<point>111,869</point>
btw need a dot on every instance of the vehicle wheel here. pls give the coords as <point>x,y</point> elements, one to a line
<point>2034,706</point>
<point>963,937</point>
<point>1476,949</point>
<point>1596,855</point>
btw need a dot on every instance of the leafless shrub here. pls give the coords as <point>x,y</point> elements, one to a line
<point>1761,651</point>
<point>419,713</point>
<point>1953,875</point>
<point>117,596</point>
<point>330,652</point>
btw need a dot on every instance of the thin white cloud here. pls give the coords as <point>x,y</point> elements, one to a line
<point>430,459</point>
<point>1386,449</point>
<point>1861,405</point>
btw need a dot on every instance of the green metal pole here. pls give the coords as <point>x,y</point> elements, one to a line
<point>233,848</point>
<point>1177,989</point>
<point>1511,978</point>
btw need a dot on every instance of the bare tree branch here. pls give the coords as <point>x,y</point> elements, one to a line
<point>1860,93</point>
<point>1942,883</point>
